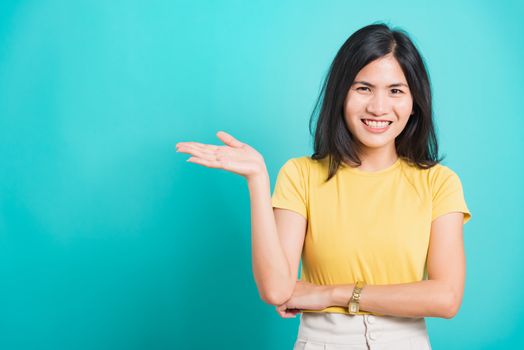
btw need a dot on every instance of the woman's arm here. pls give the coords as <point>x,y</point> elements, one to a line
<point>417,299</point>
<point>271,269</point>
<point>270,264</point>
<point>439,296</point>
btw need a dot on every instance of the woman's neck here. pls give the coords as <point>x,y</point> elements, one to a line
<point>377,160</point>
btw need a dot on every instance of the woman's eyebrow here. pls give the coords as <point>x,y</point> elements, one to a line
<point>371,85</point>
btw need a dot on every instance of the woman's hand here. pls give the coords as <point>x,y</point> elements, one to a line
<point>235,156</point>
<point>305,296</point>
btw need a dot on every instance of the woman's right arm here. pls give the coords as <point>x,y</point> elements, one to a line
<point>271,268</point>
<point>275,272</point>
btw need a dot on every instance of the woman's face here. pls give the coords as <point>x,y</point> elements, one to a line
<point>379,92</point>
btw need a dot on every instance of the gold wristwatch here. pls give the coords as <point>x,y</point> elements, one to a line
<point>353,306</point>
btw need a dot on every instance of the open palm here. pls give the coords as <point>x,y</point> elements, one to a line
<point>234,156</point>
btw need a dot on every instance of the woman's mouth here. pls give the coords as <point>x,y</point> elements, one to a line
<point>376,126</point>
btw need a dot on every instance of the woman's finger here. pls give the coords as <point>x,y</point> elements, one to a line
<point>206,162</point>
<point>229,140</point>
<point>201,154</point>
<point>287,313</point>
<point>212,159</point>
<point>282,313</point>
<point>198,145</point>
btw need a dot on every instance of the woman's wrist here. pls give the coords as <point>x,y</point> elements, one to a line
<point>340,294</point>
<point>259,179</point>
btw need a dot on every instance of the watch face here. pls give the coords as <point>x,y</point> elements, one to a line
<point>353,307</point>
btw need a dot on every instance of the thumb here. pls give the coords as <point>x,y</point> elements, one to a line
<point>228,139</point>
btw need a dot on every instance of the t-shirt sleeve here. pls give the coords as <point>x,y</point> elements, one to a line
<point>290,188</point>
<point>448,195</point>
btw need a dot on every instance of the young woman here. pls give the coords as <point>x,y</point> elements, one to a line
<point>377,221</point>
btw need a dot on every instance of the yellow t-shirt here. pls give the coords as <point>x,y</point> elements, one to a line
<point>370,226</point>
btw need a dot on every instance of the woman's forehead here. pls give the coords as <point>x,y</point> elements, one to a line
<point>385,71</point>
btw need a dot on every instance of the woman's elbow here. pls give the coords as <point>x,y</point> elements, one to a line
<point>277,296</point>
<point>451,306</point>
<point>272,299</point>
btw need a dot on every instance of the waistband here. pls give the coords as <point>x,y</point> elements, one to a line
<point>353,329</point>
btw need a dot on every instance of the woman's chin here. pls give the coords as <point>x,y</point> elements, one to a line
<point>376,144</point>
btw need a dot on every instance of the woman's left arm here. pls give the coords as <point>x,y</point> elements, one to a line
<point>439,296</point>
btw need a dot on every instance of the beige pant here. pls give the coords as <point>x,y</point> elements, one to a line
<point>329,331</point>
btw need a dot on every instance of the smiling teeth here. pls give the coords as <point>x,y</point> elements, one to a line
<point>374,124</point>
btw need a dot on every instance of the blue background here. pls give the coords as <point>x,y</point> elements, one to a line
<point>110,240</point>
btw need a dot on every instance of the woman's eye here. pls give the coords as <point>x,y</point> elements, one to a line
<point>395,91</point>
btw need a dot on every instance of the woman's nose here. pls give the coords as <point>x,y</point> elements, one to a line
<point>378,104</point>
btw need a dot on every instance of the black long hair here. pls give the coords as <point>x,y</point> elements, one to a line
<point>417,143</point>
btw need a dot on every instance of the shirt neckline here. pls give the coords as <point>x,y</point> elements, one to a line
<point>357,171</point>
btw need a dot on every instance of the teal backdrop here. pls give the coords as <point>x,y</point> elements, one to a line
<point>109,239</point>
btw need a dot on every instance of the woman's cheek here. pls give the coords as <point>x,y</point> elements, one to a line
<point>405,106</point>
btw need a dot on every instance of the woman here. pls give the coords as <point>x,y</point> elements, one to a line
<point>377,221</point>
